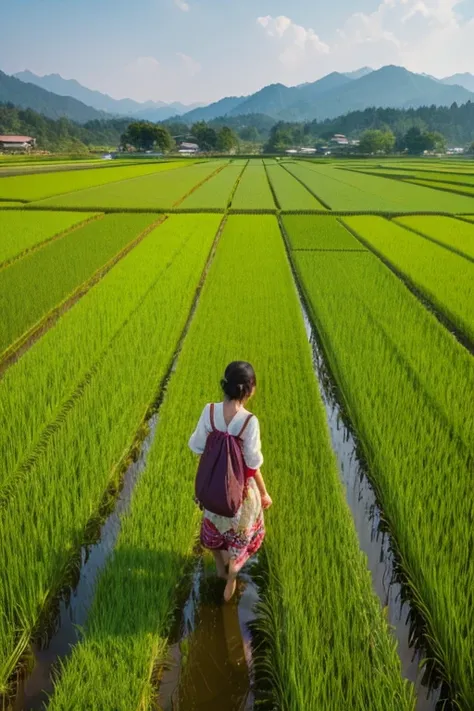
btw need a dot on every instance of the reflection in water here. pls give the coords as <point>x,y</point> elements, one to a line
<point>33,691</point>
<point>210,665</point>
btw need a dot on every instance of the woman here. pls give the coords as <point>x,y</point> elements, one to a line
<point>234,540</point>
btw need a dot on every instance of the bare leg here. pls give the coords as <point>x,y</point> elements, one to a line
<point>231,582</point>
<point>220,565</point>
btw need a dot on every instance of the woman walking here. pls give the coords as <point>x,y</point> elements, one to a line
<point>233,540</point>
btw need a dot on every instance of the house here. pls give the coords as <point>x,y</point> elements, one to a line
<point>340,140</point>
<point>17,143</point>
<point>308,151</point>
<point>188,148</point>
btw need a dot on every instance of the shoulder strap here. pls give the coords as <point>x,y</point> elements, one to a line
<point>244,426</point>
<point>211,415</point>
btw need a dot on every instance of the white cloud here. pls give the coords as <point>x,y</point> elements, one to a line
<point>190,66</point>
<point>184,6</point>
<point>297,42</point>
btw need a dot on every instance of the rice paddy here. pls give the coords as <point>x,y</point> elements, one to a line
<point>114,306</point>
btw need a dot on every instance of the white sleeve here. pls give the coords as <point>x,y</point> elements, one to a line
<point>198,438</point>
<point>252,446</point>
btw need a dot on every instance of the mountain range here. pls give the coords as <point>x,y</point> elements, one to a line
<point>149,110</point>
<point>332,95</point>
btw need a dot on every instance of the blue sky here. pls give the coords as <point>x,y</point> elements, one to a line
<point>201,50</point>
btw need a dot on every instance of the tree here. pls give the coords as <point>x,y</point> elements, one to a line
<point>376,141</point>
<point>435,140</point>
<point>250,134</point>
<point>205,136</point>
<point>416,142</point>
<point>226,139</point>
<point>144,135</point>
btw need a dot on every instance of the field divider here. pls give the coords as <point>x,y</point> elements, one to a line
<point>277,202</point>
<point>444,320</point>
<point>53,238</point>
<point>323,202</point>
<point>449,247</point>
<point>237,183</point>
<point>195,187</point>
<point>437,187</point>
<point>129,454</point>
<point>30,337</point>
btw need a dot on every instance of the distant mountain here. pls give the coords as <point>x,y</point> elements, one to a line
<point>466,80</point>
<point>30,96</point>
<point>150,110</point>
<point>223,107</point>
<point>337,94</point>
<point>359,73</point>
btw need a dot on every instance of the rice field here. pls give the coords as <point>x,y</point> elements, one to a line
<point>124,291</point>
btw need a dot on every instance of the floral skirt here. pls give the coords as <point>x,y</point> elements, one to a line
<point>242,535</point>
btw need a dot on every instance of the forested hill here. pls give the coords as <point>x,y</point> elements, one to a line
<point>62,134</point>
<point>26,96</point>
<point>456,123</point>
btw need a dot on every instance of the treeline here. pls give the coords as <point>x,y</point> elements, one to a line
<point>61,135</point>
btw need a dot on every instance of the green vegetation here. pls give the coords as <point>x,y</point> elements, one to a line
<point>21,230</point>
<point>432,268</point>
<point>404,380</point>
<point>216,192</point>
<point>32,286</point>
<point>32,187</point>
<point>375,141</point>
<point>63,361</point>
<point>43,522</point>
<point>449,186</point>
<point>456,234</point>
<point>310,232</point>
<point>351,191</point>
<point>144,136</point>
<point>253,192</point>
<point>356,665</point>
<point>290,194</point>
<point>160,191</point>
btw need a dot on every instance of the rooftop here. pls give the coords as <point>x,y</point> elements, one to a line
<point>15,139</point>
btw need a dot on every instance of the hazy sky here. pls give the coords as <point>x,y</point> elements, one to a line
<point>201,50</point>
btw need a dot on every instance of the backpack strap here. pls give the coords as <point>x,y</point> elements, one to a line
<point>244,426</point>
<point>211,415</point>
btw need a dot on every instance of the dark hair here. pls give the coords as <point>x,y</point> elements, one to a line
<point>239,380</point>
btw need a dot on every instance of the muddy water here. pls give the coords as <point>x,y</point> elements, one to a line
<point>367,518</point>
<point>34,690</point>
<point>210,660</point>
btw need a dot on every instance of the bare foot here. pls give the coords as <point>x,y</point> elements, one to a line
<point>230,588</point>
<point>220,565</point>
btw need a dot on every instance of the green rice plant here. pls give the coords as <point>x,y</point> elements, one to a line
<point>42,280</point>
<point>291,194</point>
<point>445,278</point>
<point>313,232</point>
<point>21,230</point>
<point>423,177</point>
<point>43,523</point>
<point>253,191</point>
<point>150,192</point>
<point>10,203</point>
<point>30,406</point>
<point>38,187</point>
<point>456,188</point>
<point>455,234</point>
<point>349,190</point>
<point>216,192</point>
<point>329,644</point>
<point>405,400</point>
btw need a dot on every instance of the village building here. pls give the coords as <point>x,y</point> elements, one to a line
<point>340,140</point>
<point>17,144</point>
<point>188,148</point>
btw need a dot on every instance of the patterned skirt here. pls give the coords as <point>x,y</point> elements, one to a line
<point>242,535</point>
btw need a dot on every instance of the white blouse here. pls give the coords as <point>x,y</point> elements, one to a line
<point>251,445</point>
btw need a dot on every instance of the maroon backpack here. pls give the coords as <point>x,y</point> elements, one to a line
<point>220,476</point>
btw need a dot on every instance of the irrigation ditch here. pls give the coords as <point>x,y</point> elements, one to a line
<point>65,612</point>
<point>388,579</point>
